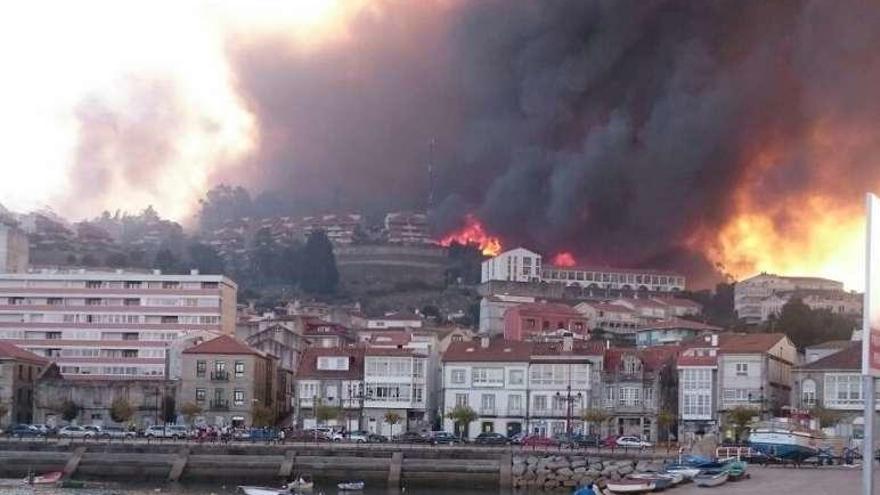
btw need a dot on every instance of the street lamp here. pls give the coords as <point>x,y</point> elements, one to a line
<point>569,400</point>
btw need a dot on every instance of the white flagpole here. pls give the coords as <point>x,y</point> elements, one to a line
<point>867,376</point>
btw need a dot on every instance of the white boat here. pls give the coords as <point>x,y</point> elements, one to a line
<point>711,479</point>
<point>674,478</point>
<point>262,490</point>
<point>301,485</point>
<point>630,486</point>
<point>785,440</point>
<point>687,473</point>
<point>351,485</point>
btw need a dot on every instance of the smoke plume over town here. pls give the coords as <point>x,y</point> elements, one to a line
<point>711,137</point>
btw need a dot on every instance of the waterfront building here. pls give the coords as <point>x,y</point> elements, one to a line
<point>228,380</point>
<point>19,370</point>
<point>395,380</point>
<point>115,324</point>
<point>331,377</point>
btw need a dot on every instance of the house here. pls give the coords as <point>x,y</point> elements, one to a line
<point>759,297</point>
<point>19,370</point>
<point>515,265</point>
<point>671,331</point>
<point>229,381</point>
<point>492,309</point>
<point>637,385</point>
<point>818,351</point>
<point>395,380</point>
<point>610,320</point>
<point>333,377</point>
<point>834,383</point>
<point>679,307</point>
<point>646,309</point>
<point>320,333</point>
<point>396,320</point>
<point>524,320</point>
<point>697,367</point>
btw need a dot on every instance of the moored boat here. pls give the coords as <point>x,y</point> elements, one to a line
<point>710,479</point>
<point>785,441</point>
<point>49,478</point>
<point>687,472</point>
<point>262,490</point>
<point>351,485</point>
<point>631,486</point>
<point>673,478</point>
<point>301,485</point>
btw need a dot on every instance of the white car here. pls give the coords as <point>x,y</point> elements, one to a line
<point>357,436</point>
<point>116,432</point>
<point>632,442</point>
<point>71,431</point>
<point>177,432</point>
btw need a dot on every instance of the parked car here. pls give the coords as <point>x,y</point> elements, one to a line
<point>539,441</point>
<point>97,430</point>
<point>23,431</point>
<point>491,438</point>
<point>376,438</point>
<point>265,434</point>
<point>357,436</point>
<point>307,436</point>
<point>630,441</point>
<point>578,440</point>
<point>443,438</point>
<point>117,432</point>
<point>517,438</point>
<point>170,431</point>
<point>73,431</point>
<point>411,437</point>
<point>45,430</point>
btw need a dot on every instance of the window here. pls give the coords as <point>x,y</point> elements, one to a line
<point>219,366</point>
<point>238,397</point>
<point>200,395</point>
<point>514,404</point>
<point>333,363</point>
<point>487,403</point>
<point>843,391</point>
<point>239,369</point>
<point>419,394</point>
<point>631,364</point>
<point>742,369</point>
<point>458,377</point>
<point>808,393</point>
<point>307,390</point>
<point>461,400</point>
<point>736,394</point>
<point>516,377</point>
<point>419,368</point>
<point>488,377</point>
<point>540,403</point>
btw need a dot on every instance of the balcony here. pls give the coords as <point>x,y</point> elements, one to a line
<point>515,411</point>
<point>219,376</point>
<point>219,405</point>
<point>487,411</point>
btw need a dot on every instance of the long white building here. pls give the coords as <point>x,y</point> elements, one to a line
<point>758,298</point>
<point>111,324</point>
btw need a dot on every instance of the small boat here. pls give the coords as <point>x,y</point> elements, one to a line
<point>736,470</point>
<point>673,478</point>
<point>686,472</point>
<point>631,486</point>
<point>301,485</point>
<point>710,479</point>
<point>49,478</point>
<point>351,485</point>
<point>262,490</point>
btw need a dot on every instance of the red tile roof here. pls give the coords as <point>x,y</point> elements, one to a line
<point>847,359</point>
<point>224,344</point>
<point>12,351</point>
<point>748,343</point>
<point>579,348</point>
<point>499,350</point>
<point>308,364</point>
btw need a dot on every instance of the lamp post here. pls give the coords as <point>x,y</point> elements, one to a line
<point>569,400</point>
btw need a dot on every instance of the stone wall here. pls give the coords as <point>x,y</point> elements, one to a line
<point>563,472</point>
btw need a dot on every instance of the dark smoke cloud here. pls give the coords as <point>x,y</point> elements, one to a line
<point>614,129</point>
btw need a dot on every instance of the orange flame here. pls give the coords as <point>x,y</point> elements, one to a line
<point>474,234</point>
<point>563,258</point>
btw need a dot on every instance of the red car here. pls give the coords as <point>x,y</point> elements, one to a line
<point>610,441</point>
<point>539,441</point>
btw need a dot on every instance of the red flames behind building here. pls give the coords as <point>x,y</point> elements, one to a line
<point>563,258</point>
<point>473,233</point>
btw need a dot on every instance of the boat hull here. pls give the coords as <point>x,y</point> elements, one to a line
<point>262,490</point>
<point>793,445</point>
<point>710,480</point>
<point>631,486</point>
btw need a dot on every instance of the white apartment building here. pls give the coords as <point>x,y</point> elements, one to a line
<point>697,390</point>
<point>759,297</point>
<point>516,265</point>
<point>615,278</point>
<point>396,380</point>
<point>513,386</point>
<point>111,324</point>
<point>331,377</point>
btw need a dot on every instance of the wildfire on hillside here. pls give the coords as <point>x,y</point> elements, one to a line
<point>474,234</point>
<point>563,258</point>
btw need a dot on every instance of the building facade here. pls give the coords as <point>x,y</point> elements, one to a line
<point>334,378</point>
<point>615,279</point>
<point>228,380</point>
<point>755,371</point>
<point>14,249</point>
<point>114,324</point>
<point>492,309</point>
<point>523,321</point>
<point>19,370</point>
<point>396,380</point>
<point>758,298</point>
<point>516,265</point>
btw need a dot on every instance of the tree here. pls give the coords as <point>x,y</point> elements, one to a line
<point>69,410</point>
<point>392,418</point>
<point>264,256</point>
<point>190,410</point>
<point>318,274</point>
<point>740,416</point>
<point>169,409</point>
<point>222,204</point>
<point>205,259</point>
<point>805,326</point>
<point>595,416</point>
<point>166,261</point>
<point>121,410</point>
<point>462,416</point>
<point>665,420</point>
<point>826,417</point>
<point>262,415</point>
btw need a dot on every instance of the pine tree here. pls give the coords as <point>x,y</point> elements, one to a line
<point>318,274</point>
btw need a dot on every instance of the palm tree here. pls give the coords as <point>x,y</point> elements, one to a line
<point>740,416</point>
<point>392,418</point>
<point>595,416</point>
<point>462,416</point>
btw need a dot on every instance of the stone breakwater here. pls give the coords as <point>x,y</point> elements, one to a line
<point>563,472</point>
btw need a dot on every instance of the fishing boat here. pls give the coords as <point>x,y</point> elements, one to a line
<point>49,478</point>
<point>673,478</point>
<point>262,490</point>
<point>351,486</point>
<point>785,440</point>
<point>687,472</point>
<point>711,478</point>
<point>631,486</point>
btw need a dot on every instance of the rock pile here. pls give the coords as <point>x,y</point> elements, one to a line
<point>565,472</point>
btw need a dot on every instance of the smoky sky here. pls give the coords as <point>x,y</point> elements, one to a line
<point>612,129</point>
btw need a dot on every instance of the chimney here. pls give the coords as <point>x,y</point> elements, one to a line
<point>194,271</point>
<point>484,341</point>
<point>715,340</point>
<point>568,343</point>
